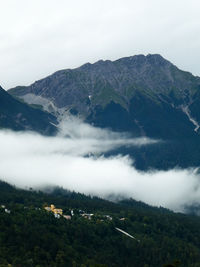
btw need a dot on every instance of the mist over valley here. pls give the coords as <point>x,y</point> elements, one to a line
<point>127,128</point>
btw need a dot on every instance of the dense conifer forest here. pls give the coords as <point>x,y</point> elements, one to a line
<point>31,236</point>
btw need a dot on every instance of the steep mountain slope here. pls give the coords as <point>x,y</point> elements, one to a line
<point>18,116</point>
<point>142,95</point>
<point>146,95</point>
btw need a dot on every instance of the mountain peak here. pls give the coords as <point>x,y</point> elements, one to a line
<point>150,59</point>
<point>156,56</point>
<point>85,89</point>
<point>157,59</point>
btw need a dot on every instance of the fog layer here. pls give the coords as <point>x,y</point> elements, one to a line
<point>74,159</point>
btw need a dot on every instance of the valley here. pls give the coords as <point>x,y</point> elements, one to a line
<point>99,133</point>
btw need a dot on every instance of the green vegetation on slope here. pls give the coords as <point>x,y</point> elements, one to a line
<point>31,236</point>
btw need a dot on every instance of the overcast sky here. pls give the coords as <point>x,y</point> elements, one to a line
<point>39,37</point>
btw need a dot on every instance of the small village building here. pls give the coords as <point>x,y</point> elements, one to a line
<point>7,211</point>
<point>56,215</point>
<point>54,210</point>
<point>108,217</point>
<point>47,208</point>
<point>87,216</point>
<point>58,211</point>
<point>67,217</point>
<point>72,212</point>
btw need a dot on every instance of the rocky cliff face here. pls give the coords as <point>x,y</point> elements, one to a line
<point>146,95</point>
<point>19,116</point>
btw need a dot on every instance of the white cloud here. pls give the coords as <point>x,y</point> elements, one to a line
<point>40,37</point>
<point>29,159</point>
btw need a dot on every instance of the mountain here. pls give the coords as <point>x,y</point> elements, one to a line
<point>146,95</point>
<point>32,236</point>
<point>142,95</point>
<point>19,116</point>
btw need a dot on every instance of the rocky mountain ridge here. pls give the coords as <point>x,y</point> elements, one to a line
<point>145,95</point>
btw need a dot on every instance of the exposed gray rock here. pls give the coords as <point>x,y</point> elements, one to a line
<point>19,116</point>
<point>92,89</point>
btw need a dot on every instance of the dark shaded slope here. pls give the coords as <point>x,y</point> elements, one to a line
<point>19,116</point>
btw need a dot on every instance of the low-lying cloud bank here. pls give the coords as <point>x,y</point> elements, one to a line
<point>74,160</point>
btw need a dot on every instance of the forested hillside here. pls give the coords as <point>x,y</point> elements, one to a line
<point>31,236</point>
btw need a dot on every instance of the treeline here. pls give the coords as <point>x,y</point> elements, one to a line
<point>31,236</point>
